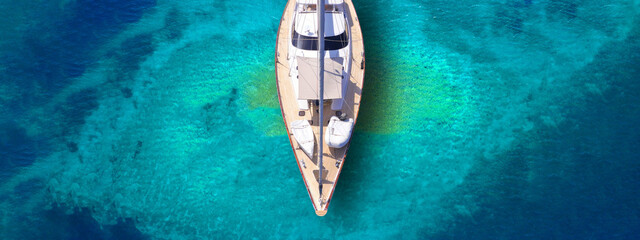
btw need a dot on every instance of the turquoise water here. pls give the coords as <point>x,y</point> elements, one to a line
<point>160,120</point>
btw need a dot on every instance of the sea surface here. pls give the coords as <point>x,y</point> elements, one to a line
<point>155,119</point>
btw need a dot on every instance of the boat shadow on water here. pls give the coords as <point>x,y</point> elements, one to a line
<point>348,200</point>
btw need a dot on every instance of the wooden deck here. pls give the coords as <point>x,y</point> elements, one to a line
<point>289,108</point>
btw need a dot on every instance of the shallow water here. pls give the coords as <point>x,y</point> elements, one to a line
<point>160,120</point>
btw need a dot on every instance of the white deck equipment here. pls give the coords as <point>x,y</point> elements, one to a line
<point>338,132</point>
<point>303,134</point>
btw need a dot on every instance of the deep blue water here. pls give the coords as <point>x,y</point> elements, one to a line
<point>480,120</point>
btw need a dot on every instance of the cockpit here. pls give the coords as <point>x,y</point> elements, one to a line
<point>305,35</point>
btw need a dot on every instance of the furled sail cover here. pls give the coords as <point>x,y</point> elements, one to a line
<point>308,78</point>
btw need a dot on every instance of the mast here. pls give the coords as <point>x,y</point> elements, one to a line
<point>320,10</point>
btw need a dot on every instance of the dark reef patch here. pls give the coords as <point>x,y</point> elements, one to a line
<point>45,62</point>
<point>447,20</point>
<point>174,25</point>
<point>222,108</point>
<point>575,181</point>
<point>133,51</point>
<point>562,8</point>
<point>72,146</point>
<point>58,225</point>
<point>25,189</point>
<point>232,96</point>
<point>77,107</point>
<point>52,53</point>
<point>509,20</point>
<point>126,92</point>
<point>138,148</point>
<point>17,149</point>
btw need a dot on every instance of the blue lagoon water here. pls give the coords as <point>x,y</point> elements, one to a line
<point>151,119</point>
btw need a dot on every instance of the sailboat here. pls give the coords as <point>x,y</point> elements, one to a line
<point>319,75</point>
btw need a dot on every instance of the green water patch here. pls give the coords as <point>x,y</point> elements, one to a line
<point>380,108</point>
<point>260,96</point>
<point>261,90</point>
<point>410,83</point>
<point>403,92</point>
<point>429,91</point>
